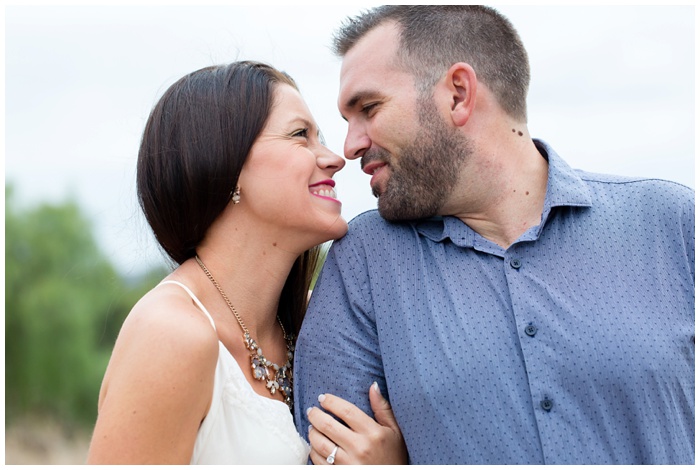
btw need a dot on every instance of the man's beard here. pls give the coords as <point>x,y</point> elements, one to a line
<point>426,171</point>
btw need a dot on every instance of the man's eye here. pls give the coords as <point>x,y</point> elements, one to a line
<point>368,107</point>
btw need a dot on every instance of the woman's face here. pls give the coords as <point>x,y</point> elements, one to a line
<point>286,181</point>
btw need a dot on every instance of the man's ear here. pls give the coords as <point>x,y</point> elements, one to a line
<point>461,84</point>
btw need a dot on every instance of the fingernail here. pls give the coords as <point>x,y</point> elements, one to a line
<point>321,397</point>
<point>308,410</point>
<point>310,427</point>
<point>375,386</point>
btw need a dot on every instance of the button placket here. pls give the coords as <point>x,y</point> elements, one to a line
<point>531,330</point>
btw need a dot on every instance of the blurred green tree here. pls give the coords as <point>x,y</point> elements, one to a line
<point>64,305</point>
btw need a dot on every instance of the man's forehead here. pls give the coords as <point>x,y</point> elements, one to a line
<point>380,41</point>
<point>371,57</point>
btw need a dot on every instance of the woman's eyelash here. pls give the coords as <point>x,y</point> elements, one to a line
<point>301,133</point>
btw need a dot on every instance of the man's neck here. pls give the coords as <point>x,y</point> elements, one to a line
<point>514,187</point>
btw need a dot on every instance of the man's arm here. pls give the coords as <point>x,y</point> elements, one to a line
<point>337,350</point>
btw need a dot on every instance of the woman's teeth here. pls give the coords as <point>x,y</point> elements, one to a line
<point>326,193</point>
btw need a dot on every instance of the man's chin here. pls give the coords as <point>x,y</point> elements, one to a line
<point>387,211</point>
<point>394,211</point>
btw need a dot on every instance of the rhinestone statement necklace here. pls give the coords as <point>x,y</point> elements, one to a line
<point>281,379</point>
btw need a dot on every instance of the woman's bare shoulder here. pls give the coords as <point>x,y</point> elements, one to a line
<point>165,339</point>
<point>170,316</point>
<point>158,384</point>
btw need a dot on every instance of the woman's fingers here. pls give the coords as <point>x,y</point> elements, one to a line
<point>322,448</point>
<point>382,409</point>
<point>324,425</point>
<point>364,441</point>
<point>350,414</point>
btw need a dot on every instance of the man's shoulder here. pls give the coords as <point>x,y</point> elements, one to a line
<point>646,186</point>
<point>370,223</point>
<point>367,218</point>
<point>369,231</point>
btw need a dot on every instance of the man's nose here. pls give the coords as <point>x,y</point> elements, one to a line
<point>357,142</point>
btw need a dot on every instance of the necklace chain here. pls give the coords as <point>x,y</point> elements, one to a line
<point>281,379</point>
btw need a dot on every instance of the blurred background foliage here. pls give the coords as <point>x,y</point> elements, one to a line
<point>64,306</point>
<point>65,303</point>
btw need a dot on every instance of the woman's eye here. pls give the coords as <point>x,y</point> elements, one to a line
<point>301,133</point>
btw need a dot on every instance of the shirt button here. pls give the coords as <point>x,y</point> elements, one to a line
<point>515,263</point>
<point>531,330</point>
<point>546,404</point>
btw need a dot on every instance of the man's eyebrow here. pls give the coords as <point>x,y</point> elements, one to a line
<point>360,96</point>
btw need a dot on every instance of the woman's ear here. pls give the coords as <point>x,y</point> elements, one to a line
<point>461,83</point>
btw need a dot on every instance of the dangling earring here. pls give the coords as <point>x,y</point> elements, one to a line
<point>236,198</point>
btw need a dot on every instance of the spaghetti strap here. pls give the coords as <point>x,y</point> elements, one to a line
<point>196,300</point>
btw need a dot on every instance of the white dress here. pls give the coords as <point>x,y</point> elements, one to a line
<point>243,427</point>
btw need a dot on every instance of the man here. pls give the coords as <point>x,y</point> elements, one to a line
<point>512,310</point>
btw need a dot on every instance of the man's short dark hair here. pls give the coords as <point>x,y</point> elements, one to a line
<point>433,37</point>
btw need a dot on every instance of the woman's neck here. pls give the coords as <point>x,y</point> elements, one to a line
<point>252,274</point>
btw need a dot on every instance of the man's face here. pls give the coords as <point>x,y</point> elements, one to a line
<point>413,155</point>
<point>425,170</point>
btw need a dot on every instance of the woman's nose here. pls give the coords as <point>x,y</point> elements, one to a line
<point>327,160</point>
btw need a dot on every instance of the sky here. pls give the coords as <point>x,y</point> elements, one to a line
<point>612,90</point>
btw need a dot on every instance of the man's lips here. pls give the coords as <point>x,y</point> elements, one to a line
<point>370,168</point>
<point>379,172</point>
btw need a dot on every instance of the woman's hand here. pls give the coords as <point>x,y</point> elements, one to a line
<point>364,441</point>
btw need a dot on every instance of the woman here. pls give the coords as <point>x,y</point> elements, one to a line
<point>238,190</point>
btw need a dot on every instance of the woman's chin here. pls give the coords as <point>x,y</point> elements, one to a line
<point>336,230</point>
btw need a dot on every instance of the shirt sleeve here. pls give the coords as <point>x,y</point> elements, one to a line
<point>337,350</point>
<point>688,223</point>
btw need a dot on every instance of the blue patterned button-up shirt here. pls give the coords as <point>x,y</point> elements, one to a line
<point>573,346</point>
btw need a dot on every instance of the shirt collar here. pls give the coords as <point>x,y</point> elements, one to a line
<point>564,188</point>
